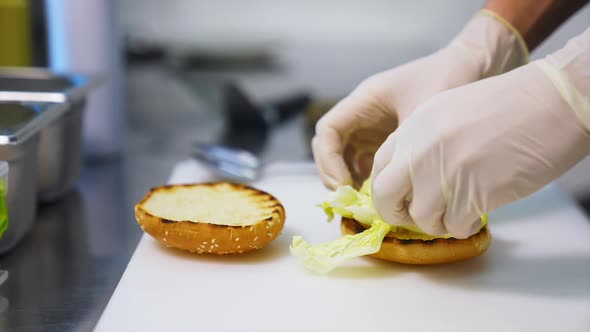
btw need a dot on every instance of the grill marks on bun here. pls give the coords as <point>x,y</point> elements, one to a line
<point>424,252</point>
<point>211,218</point>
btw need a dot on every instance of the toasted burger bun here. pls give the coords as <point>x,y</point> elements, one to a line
<point>423,252</point>
<point>213,218</point>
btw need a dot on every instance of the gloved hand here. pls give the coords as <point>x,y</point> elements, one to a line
<point>470,150</point>
<point>348,136</point>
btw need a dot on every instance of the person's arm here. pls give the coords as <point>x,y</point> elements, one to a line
<point>535,20</point>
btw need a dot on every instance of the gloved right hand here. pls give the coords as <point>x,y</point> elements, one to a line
<point>348,136</point>
<point>468,151</point>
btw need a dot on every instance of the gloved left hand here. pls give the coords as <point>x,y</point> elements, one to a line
<point>470,150</point>
<point>348,136</point>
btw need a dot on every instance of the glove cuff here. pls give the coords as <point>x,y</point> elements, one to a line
<point>524,50</point>
<point>569,71</point>
<point>493,39</point>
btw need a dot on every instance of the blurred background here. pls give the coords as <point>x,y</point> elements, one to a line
<point>254,75</point>
<point>324,48</point>
<point>165,60</point>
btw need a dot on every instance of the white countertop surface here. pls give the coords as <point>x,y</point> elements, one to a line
<point>535,277</point>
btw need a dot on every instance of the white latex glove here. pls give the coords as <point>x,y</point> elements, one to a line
<point>348,136</point>
<point>470,150</point>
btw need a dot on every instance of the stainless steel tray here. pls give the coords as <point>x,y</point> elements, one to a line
<point>20,127</point>
<point>59,151</point>
<point>43,85</point>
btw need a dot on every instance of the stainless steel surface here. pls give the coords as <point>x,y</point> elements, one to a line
<point>43,85</point>
<point>60,154</point>
<point>20,127</point>
<point>21,196</point>
<point>60,150</point>
<point>19,121</point>
<point>64,271</point>
<point>62,274</point>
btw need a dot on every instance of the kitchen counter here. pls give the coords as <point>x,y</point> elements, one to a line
<point>65,270</point>
<point>519,284</point>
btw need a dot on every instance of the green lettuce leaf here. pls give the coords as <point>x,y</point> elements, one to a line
<point>358,205</point>
<point>322,258</point>
<point>3,210</point>
<point>348,202</point>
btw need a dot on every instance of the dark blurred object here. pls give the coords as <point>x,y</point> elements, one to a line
<point>245,127</point>
<point>204,61</point>
<point>198,57</point>
<point>39,33</point>
<point>584,202</point>
<point>222,52</point>
<point>137,49</point>
<point>248,124</point>
<point>278,111</point>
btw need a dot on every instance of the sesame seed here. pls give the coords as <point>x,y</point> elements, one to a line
<point>205,242</point>
<point>237,239</point>
<point>213,241</point>
<point>166,233</point>
<point>251,228</point>
<point>165,239</point>
<point>238,246</point>
<point>269,234</point>
<point>241,251</point>
<point>216,245</point>
<point>255,238</point>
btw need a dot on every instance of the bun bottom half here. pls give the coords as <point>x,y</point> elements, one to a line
<point>425,252</point>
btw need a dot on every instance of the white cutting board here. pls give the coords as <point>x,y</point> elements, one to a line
<point>535,277</point>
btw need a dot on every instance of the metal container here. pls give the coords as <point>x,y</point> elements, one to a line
<point>20,128</point>
<point>60,148</point>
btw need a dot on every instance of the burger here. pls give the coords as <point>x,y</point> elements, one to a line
<point>366,234</point>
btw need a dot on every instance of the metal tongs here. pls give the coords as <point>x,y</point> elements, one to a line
<point>247,128</point>
<point>234,164</point>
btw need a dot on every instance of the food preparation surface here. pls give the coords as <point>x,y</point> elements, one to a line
<point>535,277</point>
